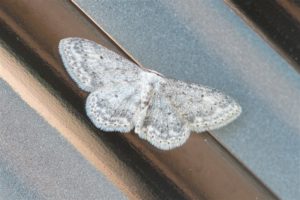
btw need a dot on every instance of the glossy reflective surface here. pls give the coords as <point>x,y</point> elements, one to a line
<point>37,163</point>
<point>207,43</point>
<point>201,169</point>
<point>278,21</point>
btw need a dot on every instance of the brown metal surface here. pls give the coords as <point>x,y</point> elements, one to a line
<point>291,7</point>
<point>277,22</point>
<point>201,169</point>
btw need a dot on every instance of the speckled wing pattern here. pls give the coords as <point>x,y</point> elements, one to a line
<point>203,108</point>
<point>114,108</point>
<point>162,126</point>
<point>112,80</point>
<point>92,66</point>
<point>124,97</point>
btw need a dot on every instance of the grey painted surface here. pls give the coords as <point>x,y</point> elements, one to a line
<point>36,162</point>
<point>205,42</point>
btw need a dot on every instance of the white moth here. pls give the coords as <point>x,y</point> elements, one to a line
<point>124,96</point>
